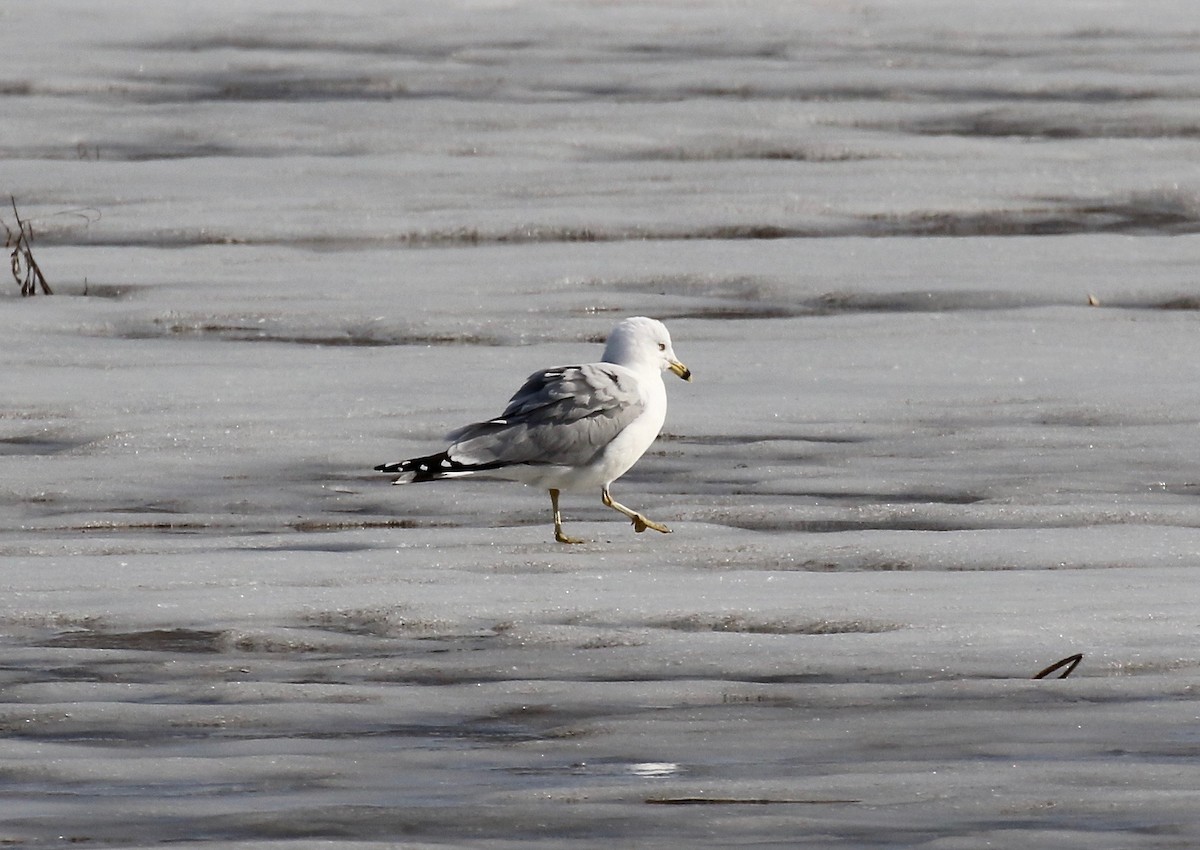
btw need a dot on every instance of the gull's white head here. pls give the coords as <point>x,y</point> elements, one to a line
<point>641,343</point>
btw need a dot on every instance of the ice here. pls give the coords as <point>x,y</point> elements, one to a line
<point>291,241</point>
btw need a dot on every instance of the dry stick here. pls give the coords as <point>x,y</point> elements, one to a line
<point>23,253</point>
<point>1070,662</point>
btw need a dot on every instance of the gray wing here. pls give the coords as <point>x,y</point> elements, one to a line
<point>562,416</point>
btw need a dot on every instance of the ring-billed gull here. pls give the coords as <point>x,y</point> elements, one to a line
<point>569,428</point>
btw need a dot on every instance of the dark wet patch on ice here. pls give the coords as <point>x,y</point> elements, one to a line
<point>277,330</point>
<point>750,625</point>
<point>1188,489</point>
<point>1138,214</point>
<point>1085,418</point>
<point>929,497</point>
<point>177,518</point>
<point>703,48</point>
<point>1185,302</point>
<point>324,525</point>
<point>863,565</point>
<point>112,291</point>
<point>742,311</point>
<point>168,506</point>
<point>152,640</point>
<point>756,72</point>
<point>367,623</point>
<point>1054,123</point>
<point>755,295</point>
<point>739,440</point>
<point>395,622</point>
<point>269,85</point>
<point>1182,302</point>
<point>750,297</point>
<point>109,151</point>
<point>838,303</point>
<point>739,150</point>
<point>484,732</point>
<point>1169,213</point>
<point>267,42</point>
<point>1054,217</point>
<point>844,303</point>
<point>172,526</point>
<point>740,297</point>
<point>38,444</point>
<point>331,547</point>
<point>825,525</point>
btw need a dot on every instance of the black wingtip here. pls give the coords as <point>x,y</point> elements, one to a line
<point>433,468</point>
<point>417,469</point>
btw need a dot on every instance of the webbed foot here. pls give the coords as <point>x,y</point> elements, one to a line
<point>641,523</point>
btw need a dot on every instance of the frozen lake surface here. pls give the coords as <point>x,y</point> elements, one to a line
<point>933,264</point>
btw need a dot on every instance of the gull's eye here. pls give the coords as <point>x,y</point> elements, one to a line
<point>662,346</point>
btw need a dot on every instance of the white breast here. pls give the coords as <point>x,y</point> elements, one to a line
<point>623,452</point>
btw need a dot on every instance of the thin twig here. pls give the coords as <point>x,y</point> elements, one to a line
<point>25,269</point>
<point>1070,662</point>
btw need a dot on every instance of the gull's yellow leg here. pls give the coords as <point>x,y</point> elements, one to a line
<point>558,532</point>
<point>640,523</point>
